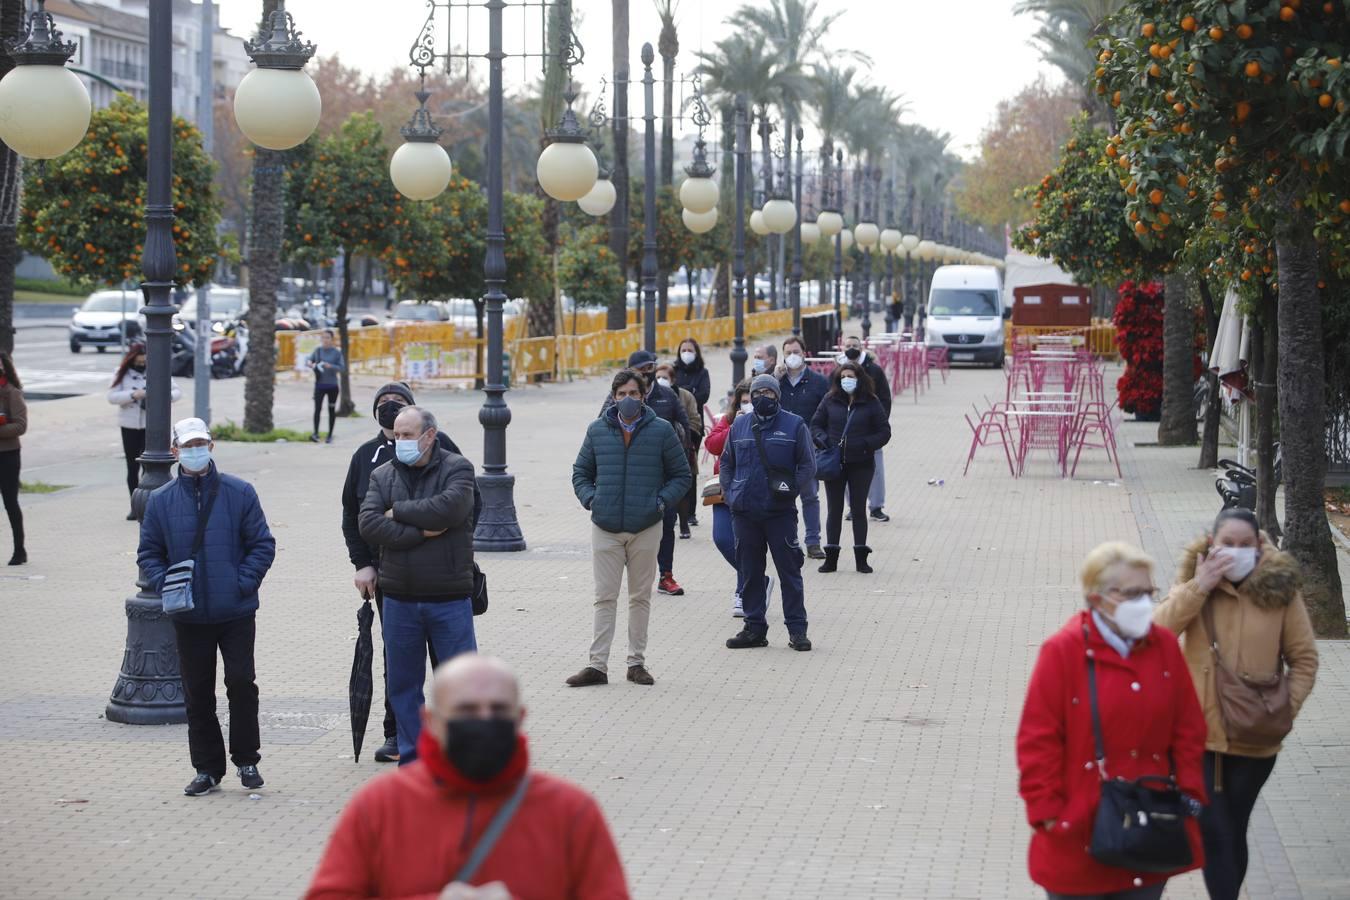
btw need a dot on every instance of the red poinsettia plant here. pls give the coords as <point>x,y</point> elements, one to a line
<point>1139,337</point>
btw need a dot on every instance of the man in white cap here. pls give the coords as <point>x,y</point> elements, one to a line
<point>214,520</point>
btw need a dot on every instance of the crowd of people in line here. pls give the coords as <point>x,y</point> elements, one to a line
<point>1148,730</point>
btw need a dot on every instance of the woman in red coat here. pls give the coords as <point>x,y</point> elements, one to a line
<point>1149,712</point>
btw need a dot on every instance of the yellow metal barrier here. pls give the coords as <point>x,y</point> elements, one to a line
<point>1099,337</point>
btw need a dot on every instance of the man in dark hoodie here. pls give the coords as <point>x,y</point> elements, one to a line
<point>419,511</point>
<point>389,402</point>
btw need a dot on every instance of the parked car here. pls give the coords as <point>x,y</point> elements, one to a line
<point>418,312</point>
<point>101,319</point>
<point>228,304</point>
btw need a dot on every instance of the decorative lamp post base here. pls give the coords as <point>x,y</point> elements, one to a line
<point>498,530</point>
<point>149,689</point>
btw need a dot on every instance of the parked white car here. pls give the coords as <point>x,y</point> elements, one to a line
<point>99,321</point>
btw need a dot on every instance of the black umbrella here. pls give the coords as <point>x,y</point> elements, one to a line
<point>361,686</point>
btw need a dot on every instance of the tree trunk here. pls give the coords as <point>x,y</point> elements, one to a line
<point>689,282</point>
<point>345,405</point>
<point>11,171</point>
<point>479,311</point>
<point>1303,420</point>
<point>1176,427</point>
<point>618,216</point>
<point>1264,359</point>
<point>1209,438</point>
<point>722,291</point>
<point>264,258</point>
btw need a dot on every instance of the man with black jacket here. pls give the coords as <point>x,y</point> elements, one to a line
<point>419,511</point>
<point>390,400</point>
<point>855,352</point>
<point>801,392</point>
<point>667,405</point>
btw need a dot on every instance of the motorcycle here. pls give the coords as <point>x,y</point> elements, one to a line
<point>1237,487</point>
<point>227,350</point>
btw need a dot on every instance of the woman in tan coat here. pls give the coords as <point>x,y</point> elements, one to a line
<point>13,423</point>
<point>1261,627</point>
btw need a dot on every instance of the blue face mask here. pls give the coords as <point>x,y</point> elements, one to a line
<point>848,384</point>
<point>408,452</point>
<point>194,459</point>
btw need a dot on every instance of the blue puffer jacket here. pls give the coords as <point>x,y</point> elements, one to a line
<point>628,488</point>
<point>237,549</point>
<point>787,446</point>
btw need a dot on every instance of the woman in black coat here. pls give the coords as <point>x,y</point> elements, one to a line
<point>692,375</point>
<point>852,418</point>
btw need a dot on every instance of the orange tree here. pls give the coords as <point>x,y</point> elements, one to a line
<point>85,212</point>
<point>588,273</point>
<point>1244,103</point>
<point>343,204</point>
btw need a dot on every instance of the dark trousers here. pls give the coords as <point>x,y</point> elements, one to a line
<point>1152,892</point>
<point>390,725</point>
<point>1223,823</point>
<point>133,445</point>
<point>665,554</point>
<point>689,505</point>
<point>755,539</point>
<point>9,492</point>
<point>320,392</point>
<point>197,645</point>
<point>857,478</point>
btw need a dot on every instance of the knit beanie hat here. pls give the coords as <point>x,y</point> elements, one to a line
<point>393,387</point>
<point>765,383</point>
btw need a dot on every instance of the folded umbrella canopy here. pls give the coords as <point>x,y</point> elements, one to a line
<point>1228,359</point>
<point>361,687</point>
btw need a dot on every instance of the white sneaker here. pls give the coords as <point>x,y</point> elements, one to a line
<point>737,611</point>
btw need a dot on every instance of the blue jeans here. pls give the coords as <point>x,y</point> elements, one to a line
<point>811,518</point>
<point>755,540</point>
<point>408,626</point>
<point>725,539</point>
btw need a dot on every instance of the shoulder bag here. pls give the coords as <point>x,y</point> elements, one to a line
<point>782,482</point>
<point>493,832</point>
<point>175,594</point>
<point>480,593</point>
<point>1140,825</point>
<point>1255,711</point>
<point>712,491</point>
<point>830,460</point>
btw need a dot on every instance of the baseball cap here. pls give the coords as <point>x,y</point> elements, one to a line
<point>639,358</point>
<point>185,430</point>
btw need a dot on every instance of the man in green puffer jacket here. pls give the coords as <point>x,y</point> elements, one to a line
<point>630,470</point>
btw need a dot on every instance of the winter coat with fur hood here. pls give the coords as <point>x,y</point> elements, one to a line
<point>1259,621</point>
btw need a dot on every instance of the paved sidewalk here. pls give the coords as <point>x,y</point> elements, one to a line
<point>878,765</point>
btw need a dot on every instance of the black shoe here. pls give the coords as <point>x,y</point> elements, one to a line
<point>587,677</point>
<point>388,751</point>
<point>328,440</point>
<point>249,777</point>
<point>831,563</point>
<point>799,642</point>
<point>640,675</point>
<point>19,558</point>
<point>314,438</point>
<point>747,639</point>
<point>201,785</point>
<point>814,551</point>
<point>860,559</point>
<point>684,533</point>
<point>693,521</point>
<point>131,516</point>
<point>878,515</point>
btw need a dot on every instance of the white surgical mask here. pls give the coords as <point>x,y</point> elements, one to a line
<point>758,366</point>
<point>1133,617</point>
<point>848,384</point>
<point>688,357</point>
<point>194,459</point>
<point>795,360</point>
<point>664,382</point>
<point>747,407</point>
<point>1244,560</point>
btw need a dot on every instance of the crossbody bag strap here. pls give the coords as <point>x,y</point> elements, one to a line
<point>1096,715</point>
<point>493,832</point>
<point>759,445</point>
<point>200,537</point>
<point>843,435</point>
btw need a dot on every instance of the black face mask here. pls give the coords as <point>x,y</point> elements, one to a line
<point>480,749</point>
<point>765,407</point>
<point>137,367</point>
<point>387,412</point>
<point>853,352</point>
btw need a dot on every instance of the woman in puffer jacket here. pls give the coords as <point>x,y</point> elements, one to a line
<point>128,395</point>
<point>1262,629</point>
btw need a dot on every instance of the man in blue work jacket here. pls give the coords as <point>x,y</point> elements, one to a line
<point>768,461</point>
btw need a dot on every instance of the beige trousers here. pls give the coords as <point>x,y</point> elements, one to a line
<point>611,553</point>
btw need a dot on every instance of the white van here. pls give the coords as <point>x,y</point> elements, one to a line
<point>966,313</point>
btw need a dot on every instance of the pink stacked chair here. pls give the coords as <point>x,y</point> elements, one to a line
<point>990,422</point>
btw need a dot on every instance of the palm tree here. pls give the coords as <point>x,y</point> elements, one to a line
<point>831,97</point>
<point>618,216</point>
<point>1064,38</point>
<point>668,45</point>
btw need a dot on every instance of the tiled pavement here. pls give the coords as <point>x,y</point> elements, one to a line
<point>878,765</point>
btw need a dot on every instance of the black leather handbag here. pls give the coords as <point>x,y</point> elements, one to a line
<point>1140,824</point>
<point>480,593</point>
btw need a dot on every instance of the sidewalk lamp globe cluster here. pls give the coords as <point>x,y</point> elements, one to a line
<point>699,195</point>
<point>890,239</point>
<point>699,223</point>
<point>927,250</point>
<point>810,233</point>
<point>910,242</point>
<point>44,107</point>
<point>757,224</point>
<point>779,215</point>
<point>866,234</point>
<point>845,238</point>
<point>567,169</point>
<point>277,106</point>
<point>420,170</point>
<point>599,200</point>
<point>829,222</point>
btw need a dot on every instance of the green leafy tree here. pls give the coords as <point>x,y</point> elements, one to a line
<point>1246,102</point>
<point>85,212</point>
<point>588,273</point>
<point>344,204</point>
<point>674,242</point>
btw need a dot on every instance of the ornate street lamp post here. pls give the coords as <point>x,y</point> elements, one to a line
<point>795,290</point>
<point>649,270</point>
<point>742,154</point>
<point>838,245</point>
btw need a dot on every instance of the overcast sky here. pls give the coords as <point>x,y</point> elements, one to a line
<point>952,61</point>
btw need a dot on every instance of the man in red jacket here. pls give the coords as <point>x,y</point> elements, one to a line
<point>416,832</point>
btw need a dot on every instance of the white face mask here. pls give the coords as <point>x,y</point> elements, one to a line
<point>688,357</point>
<point>747,407</point>
<point>664,382</point>
<point>795,360</point>
<point>1133,617</point>
<point>1244,560</point>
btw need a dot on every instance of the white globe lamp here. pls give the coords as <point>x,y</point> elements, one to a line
<point>699,223</point>
<point>779,215</point>
<point>757,223</point>
<point>44,108</point>
<point>910,242</point>
<point>698,195</point>
<point>599,200</point>
<point>866,234</point>
<point>829,223</point>
<point>890,239</point>
<point>810,233</point>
